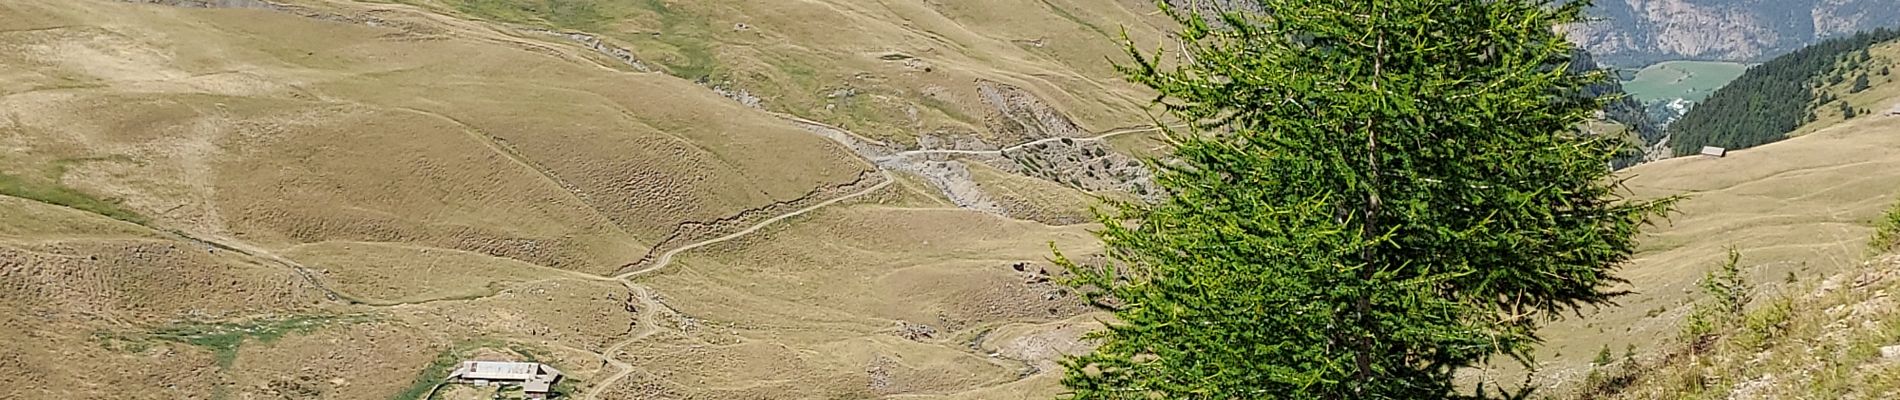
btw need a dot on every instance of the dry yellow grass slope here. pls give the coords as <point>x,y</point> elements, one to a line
<point>892,70</point>
<point>1803,207</point>
<point>1831,338</point>
<point>862,301</point>
<point>934,75</point>
<point>246,203</point>
<point>278,130</point>
<point>329,199</point>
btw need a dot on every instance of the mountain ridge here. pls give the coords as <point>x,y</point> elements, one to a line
<point>1634,33</point>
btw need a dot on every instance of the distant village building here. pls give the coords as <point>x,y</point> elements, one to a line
<point>1713,151</point>
<point>535,379</point>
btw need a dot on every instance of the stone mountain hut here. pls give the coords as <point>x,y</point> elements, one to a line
<point>535,379</point>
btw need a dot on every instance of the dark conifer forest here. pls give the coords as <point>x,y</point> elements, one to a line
<point>1776,97</point>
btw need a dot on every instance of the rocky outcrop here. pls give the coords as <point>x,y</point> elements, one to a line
<point>1640,32</point>
<point>1072,158</point>
<point>599,46</point>
<point>953,179</point>
<point>1089,165</point>
<point>1016,115</point>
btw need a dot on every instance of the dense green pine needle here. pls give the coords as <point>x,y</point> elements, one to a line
<point>1371,195</point>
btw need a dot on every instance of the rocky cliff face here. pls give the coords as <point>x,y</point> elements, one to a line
<point>1638,32</point>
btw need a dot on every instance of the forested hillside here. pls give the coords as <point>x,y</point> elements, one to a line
<point>1623,115</point>
<point>1778,96</point>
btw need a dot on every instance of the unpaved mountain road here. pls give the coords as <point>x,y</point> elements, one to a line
<point>652,307</point>
<point>1019,146</point>
<point>610,355</point>
<point>667,257</point>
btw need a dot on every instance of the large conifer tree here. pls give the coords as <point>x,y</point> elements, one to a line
<point>1371,195</point>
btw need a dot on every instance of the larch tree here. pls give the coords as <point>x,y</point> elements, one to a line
<point>1369,196</point>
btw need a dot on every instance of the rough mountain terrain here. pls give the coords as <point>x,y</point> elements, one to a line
<point>717,199</point>
<point>338,199</point>
<point>1634,33</point>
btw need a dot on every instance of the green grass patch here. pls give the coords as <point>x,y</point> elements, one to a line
<point>224,338</point>
<point>566,14</point>
<point>433,374</point>
<point>47,191</point>
<point>689,37</point>
<point>1078,21</point>
<point>1691,80</point>
<point>799,72</point>
<point>948,110</point>
<point>683,44</point>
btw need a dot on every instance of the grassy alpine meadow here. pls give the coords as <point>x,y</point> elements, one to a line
<point>1688,80</point>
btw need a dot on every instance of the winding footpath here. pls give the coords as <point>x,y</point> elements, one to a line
<point>644,296</point>
<point>667,257</point>
<point>611,354</point>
